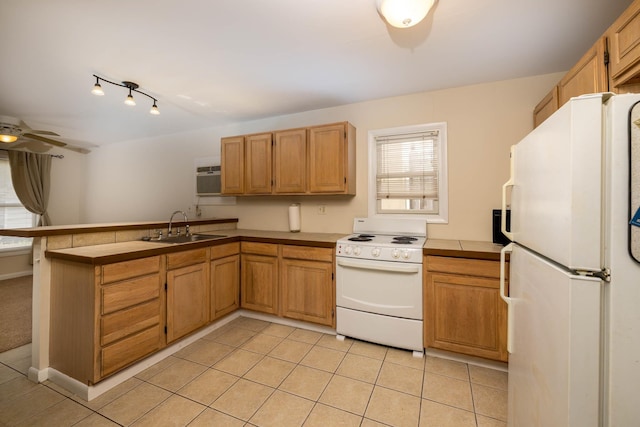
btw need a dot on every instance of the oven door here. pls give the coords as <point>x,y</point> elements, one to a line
<point>381,287</point>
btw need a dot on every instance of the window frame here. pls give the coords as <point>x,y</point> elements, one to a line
<point>442,217</point>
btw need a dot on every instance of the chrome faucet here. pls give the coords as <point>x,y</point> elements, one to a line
<point>184,215</point>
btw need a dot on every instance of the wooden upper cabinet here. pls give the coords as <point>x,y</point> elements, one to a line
<point>258,164</point>
<point>589,75</point>
<point>315,160</point>
<point>624,48</point>
<point>546,107</point>
<point>290,161</point>
<point>332,159</point>
<point>232,165</point>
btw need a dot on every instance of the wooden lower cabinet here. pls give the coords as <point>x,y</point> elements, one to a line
<point>306,284</point>
<point>104,318</point>
<point>225,280</point>
<point>289,281</point>
<point>107,317</point>
<point>463,309</point>
<point>259,283</point>
<point>187,292</point>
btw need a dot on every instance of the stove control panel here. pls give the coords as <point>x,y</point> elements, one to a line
<point>383,253</point>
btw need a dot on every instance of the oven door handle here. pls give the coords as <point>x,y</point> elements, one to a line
<point>401,268</point>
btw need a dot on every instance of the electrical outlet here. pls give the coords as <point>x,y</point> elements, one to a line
<point>322,209</point>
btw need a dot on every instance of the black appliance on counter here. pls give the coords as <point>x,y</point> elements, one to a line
<point>498,236</point>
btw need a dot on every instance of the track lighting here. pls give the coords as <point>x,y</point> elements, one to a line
<point>133,87</point>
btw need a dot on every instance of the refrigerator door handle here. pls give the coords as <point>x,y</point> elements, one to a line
<point>508,300</point>
<point>509,183</point>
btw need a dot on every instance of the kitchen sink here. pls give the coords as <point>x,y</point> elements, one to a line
<point>189,238</point>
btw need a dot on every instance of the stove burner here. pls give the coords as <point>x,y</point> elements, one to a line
<point>360,239</point>
<point>369,236</point>
<point>402,242</point>
<point>404,239</point>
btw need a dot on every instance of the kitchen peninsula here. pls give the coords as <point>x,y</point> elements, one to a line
<point>96,246</point>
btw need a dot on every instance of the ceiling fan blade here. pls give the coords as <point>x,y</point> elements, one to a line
<point>31,146</point>
<point>81,150</point>
<point>43,132</point>
<point>76,149</point>
<point>44,139</point>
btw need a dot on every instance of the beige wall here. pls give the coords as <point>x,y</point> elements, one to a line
<point>148,179</point>
<point>14,265</point>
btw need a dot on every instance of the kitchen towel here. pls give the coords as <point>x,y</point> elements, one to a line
<point>294,217</point>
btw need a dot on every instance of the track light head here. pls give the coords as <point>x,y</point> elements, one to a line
<point>130,101</point>
<point>97,89</point>
<point>154,110</point>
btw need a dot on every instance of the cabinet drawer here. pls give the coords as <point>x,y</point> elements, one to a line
<point>307,253</point>
<point>128,269</point>
<point>268,249</point>
<point>129,350</point>
<point>129,293</point>
<point>118,325</point>
<point>225,250</point>
<point>184,258</point>
<point>468,267</point>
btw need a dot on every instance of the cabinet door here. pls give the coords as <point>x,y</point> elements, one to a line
<point>546,107</point>
<point>187,300</point>
<point>624,47</point>
<point>307,291</point>
<point>290,161</point>
<point>225,286</point>
<point>232,165</point>
<point>465,314</point>
<point>258,164</point>
<point>327,159</point>
<point>589,75</point>
<point>259,285</point>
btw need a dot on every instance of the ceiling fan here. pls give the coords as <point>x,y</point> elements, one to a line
<point>15,134</point>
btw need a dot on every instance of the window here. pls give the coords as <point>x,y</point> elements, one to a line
<point>12,213</point>
<point>408,172</point>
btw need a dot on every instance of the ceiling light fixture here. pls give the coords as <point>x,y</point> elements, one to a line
<point>404,13</point>
<point>133,87</point>
<point>8,137</point>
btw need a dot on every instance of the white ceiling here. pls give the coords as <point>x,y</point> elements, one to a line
<point>214,62</point>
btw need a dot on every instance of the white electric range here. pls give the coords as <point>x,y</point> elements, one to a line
<point>379,283</point>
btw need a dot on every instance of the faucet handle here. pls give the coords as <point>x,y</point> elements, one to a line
<point>187,233</point>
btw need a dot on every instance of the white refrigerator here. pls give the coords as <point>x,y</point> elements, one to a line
<point>573,293</point>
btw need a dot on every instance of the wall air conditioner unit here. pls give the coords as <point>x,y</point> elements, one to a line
<point>208,181</point>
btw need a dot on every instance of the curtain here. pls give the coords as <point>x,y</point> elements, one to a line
<point>30,174</point>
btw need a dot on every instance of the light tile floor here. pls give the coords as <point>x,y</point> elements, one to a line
<point>255,373</point>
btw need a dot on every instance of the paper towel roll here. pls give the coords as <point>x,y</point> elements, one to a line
<point>294,217</point>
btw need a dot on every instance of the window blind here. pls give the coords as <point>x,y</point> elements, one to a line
<point>407,166</point>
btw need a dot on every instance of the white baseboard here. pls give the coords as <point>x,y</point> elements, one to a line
<point>88,393</point>
<point>38,375</point>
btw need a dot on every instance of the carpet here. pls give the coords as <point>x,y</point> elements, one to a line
<point>15,312</point>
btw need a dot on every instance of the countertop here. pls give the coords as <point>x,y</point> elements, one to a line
<point>462,249</point>
<point>124,251</point>
<point>59,230</point>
